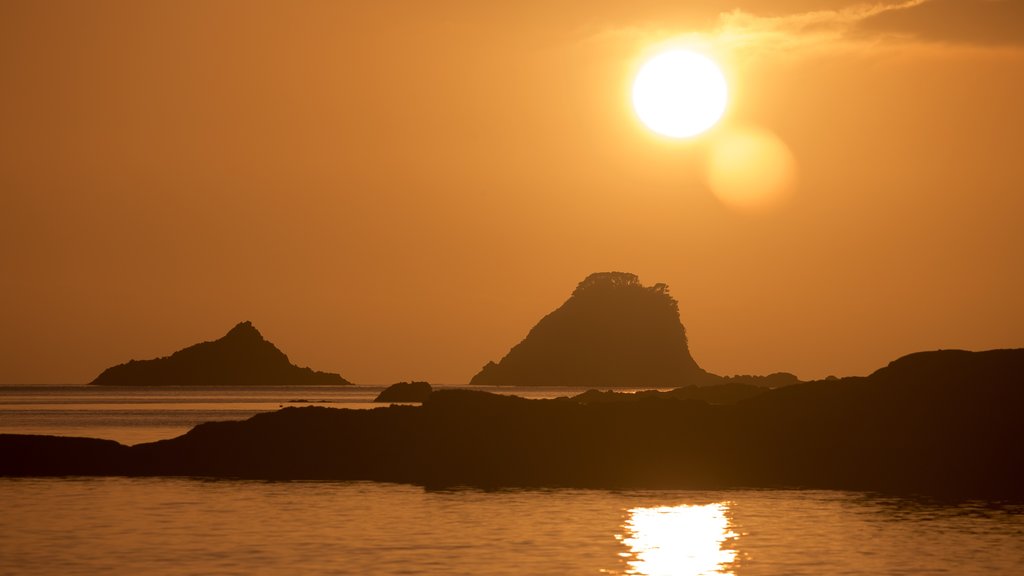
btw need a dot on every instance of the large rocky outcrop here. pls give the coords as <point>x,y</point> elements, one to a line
<point>241,358</point>
<point>612,332</point>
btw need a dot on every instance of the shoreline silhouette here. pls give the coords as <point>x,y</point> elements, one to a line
<point>943,423</point>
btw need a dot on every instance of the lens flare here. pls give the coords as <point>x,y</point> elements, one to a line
<point>750,168</point>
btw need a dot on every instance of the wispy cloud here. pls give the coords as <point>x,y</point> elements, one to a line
<point>986,22</point>
<point>741,29</point>
<point>894,22</point>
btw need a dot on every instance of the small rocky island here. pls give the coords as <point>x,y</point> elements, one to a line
<point>242,357</point>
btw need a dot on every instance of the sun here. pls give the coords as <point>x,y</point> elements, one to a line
<point>679,93</point>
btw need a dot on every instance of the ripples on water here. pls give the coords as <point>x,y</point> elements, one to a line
<point>682,539</point>
<point>190,526</point>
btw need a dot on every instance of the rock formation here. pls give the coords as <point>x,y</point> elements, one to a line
<point>612,332</point>
<point>241,358</point>
<point>405,392</point>
<point>943,424</point>
<point>719,394</point>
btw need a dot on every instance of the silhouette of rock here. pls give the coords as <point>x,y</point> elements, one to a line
<point>776,380</point>
<point>36,455</point>
<point>241,358</point>
<point>728,393</point>
<point>612,332</point>
<point>405,392</point>
<point>943,424</point>
<point>943,366</point>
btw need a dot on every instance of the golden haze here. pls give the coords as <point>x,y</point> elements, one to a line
<point>401,190</point>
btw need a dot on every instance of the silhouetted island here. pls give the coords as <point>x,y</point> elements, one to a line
<point>943,423</point>
<point>241,358</point>
<point>611,332</point>
<point>405,392</point>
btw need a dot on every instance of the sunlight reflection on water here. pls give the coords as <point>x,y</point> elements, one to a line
<point>116,525</point>
<point>686,540</point>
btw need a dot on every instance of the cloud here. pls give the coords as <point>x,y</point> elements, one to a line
<point>840,25</point>
<point>955,21</point>
<point>740,29</point>
<point>743,28</point>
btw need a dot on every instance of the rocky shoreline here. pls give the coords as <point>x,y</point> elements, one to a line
<point>940,424</point>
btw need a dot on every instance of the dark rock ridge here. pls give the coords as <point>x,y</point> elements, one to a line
<point>405,392</point>
<point>612,332</point>
<point>775,380</point>
<point>241,358</point>
<point>728,393</point>
<point>943,424</point>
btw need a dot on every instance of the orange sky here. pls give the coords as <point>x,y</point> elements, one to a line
<point>400,190</point>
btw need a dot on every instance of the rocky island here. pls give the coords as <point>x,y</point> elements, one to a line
<point>242,357</point>
<point>612,332</point>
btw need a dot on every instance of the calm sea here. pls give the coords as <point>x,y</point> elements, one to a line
<point>200,526</point>
<point>134,415</point>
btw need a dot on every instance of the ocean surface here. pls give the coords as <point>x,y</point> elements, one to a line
<point>133,415</point>
<point>203,526</point>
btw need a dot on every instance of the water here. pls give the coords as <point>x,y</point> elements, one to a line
<point>202,526</point>
<point>134,415</point>
<point>194,526</point>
